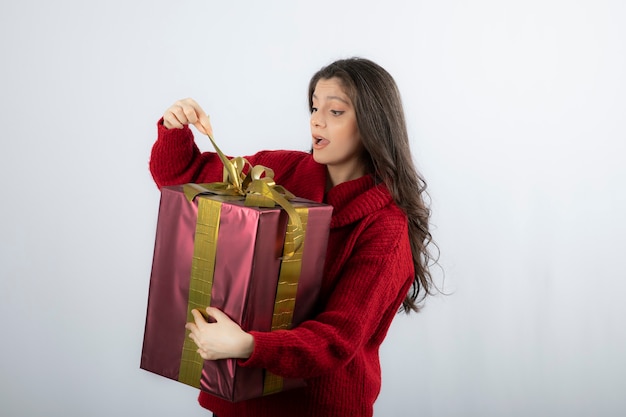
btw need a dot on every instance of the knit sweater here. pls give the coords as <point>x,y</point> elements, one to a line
<point>367,274</point>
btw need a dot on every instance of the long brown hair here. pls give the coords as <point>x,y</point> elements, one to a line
<point>382,126</point>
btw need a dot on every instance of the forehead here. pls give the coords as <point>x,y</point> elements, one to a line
<point>330,89</point>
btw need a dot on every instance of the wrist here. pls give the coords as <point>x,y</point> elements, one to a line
<point>247,346</point>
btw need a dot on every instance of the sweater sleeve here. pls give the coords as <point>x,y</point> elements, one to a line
<point>176,159</point>
<point>367,296</point>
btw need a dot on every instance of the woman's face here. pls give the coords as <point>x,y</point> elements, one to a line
<point>336,140</point>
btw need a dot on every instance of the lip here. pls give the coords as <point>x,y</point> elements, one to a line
<point>319,142</point>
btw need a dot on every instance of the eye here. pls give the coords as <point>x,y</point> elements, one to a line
<point>313,109</point>
<point>336,112</point>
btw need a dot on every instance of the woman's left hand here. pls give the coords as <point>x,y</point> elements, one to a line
<point>222,339</point>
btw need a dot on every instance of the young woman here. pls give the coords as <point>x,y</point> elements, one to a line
<point>377,259</point>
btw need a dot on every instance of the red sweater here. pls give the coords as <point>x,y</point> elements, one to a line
<point>367,274</point>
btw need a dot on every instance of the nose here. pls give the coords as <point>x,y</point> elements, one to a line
<point>316,120</point>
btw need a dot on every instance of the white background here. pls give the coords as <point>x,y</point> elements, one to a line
<point>516,113</point>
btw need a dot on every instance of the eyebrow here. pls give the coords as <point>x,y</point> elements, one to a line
<point>333,98</point>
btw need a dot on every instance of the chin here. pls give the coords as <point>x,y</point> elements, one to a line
<point>317,158</point>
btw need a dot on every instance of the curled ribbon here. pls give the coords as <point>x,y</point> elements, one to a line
<point>257,186</point>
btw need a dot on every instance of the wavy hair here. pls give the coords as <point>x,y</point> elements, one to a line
<point>382,126</point>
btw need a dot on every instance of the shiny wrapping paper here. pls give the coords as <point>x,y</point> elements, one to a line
<point>247,266</point>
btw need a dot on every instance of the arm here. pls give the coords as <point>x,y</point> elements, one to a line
<point>176,159</point>
<point>366,298</point>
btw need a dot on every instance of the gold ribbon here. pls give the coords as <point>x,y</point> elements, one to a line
<point>200,284</point>
<point>286,291</point>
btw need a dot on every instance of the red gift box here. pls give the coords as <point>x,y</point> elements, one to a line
<point>231,257</point>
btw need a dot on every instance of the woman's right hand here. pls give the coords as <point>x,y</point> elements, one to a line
<point>184,112</point>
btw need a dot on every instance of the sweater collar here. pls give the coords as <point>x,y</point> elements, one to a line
<point>353,200</point>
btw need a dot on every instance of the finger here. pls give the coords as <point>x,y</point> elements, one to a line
<point>204,124</point>
<point>200,128</point>
<point>179,113</point>
<point>217,314</point>
<point>198,317</point>
<point>194,114</point>
<point>191,114</point>
<point>203,354</point>
<point>175,117</point>
<point>171,122</point>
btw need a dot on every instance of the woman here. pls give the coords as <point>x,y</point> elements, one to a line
<point>377,259</point>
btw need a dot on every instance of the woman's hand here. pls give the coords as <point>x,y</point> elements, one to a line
<point>222,339</point>
<point>185,112</point>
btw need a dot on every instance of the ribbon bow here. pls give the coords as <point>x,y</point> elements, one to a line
<point>259,189</point>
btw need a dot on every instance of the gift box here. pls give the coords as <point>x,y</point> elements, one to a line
<point>214,250</point>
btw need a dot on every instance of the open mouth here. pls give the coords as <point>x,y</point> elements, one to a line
<point>319,141</point>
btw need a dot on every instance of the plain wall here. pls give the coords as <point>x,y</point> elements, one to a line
<point>516,115</point>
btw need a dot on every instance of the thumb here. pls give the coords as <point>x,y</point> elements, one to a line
<point>204,125</point>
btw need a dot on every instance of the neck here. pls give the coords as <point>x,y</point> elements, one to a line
<point>337,176</point>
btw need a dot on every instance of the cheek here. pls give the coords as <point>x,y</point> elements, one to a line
<point>356,138</point>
